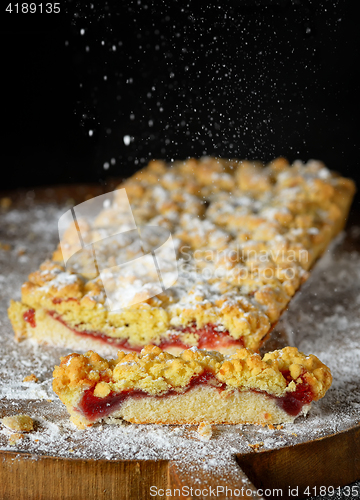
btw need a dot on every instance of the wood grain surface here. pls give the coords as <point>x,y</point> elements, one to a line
<point>330,461</point>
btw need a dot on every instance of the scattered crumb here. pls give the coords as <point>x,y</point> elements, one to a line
<point>205,431</point>
<point>14,438</point>
<point>256,446</point>
<point>271,427</point>
<point>293,433</point>
<point>20,422</point>
<point>31,378</point>
<point>279,427</point>
<point>5,246</point>
<point>114,421</point>
<point>5,202</point>
<point>21,251</point>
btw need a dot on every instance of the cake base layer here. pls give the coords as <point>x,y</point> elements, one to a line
<point>46,328</point>
<point>197,405</point>
<point>207,404</point>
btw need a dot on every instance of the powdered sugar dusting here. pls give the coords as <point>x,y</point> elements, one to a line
<point>323,319</point>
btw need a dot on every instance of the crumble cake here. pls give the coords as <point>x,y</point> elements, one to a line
<point>196,386</point>
<point>245,237</point>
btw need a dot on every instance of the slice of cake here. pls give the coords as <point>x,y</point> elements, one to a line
<point>243,236</point>
<point>157,387</point>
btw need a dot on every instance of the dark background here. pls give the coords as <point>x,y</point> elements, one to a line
<point>247,79</point>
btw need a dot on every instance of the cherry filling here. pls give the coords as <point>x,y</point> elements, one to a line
<point>29,317</point>
<point>293,402</point>
<point>209,337</point>
<point>97,335</point>
<point>58,300</point>
<point>94,408</point>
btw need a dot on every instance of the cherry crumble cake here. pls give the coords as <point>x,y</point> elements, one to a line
<point>157,387</point>
<point>245,237</point>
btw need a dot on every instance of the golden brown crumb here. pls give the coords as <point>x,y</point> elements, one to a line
<point>31,378</point>
<point>14,438</point>
<point>5,246</point>
<point>205,431</point>
<point>256,446</point>
<point>271,427</point>
<point>21,422</point>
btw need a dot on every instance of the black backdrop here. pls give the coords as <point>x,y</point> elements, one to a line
<point>100,89</point>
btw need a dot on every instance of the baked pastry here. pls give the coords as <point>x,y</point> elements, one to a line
<point>157,387</point>
<point>244,236</point>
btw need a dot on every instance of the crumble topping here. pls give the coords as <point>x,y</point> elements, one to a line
<point>155,371</point>
<point>245,236</point>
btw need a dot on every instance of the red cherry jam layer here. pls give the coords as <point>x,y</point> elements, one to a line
<point>293,402</point>
<point>29,317</point>
<point>120,343</point>
<point>209,337</point>
<point>94,408</point>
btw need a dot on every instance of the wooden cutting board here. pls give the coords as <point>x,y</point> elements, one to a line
<point>121,462</point>
<point>296,471</point>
